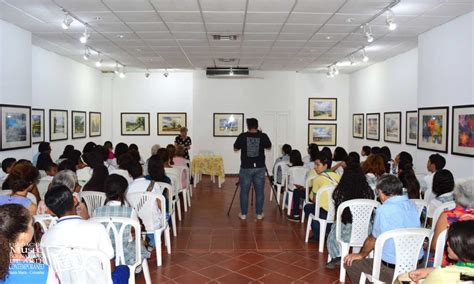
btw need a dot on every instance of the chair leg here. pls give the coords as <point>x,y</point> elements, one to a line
<point>158,249</point>
<point>278,194</point>
<point>290,203</point>
<point>308,228</point>
<point>173,223</point>
<point>185,200</point>
<point>322,234</point>
<point>302,214</point>
<point>271,195</point>
<point>189,194</point>
<point>146,272</point>
<point>283,201</point>
<point>342,271</point>
<point>168,240</point>
<point>178,207</point>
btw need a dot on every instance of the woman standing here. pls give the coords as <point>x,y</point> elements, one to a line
<point>185,140</point>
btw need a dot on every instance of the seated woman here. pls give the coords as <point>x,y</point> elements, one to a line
<point>325,177</point>
<point>373,168</point>
<point>308,160</point>
<point>96,183</point>
<point>133,148</point>
<point>123,163</point>
<point>22,179</point>
<point>179,160</point>
<point>442,190</point>
<point>459,248</point>
<point>353,185</point>
<point>171,152</point>
<point>464,210</point>
<point>116,206</point>
<point>338,158</point>
<point>44,160</point>
<point>16,228</point>
<point>296,183</point>
<point>408,178</point>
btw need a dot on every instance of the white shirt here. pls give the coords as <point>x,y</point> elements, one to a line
<point>140,185</point>
<point>296,175</point>
<point>84,175</point>
<point>339,170</point>
<point>429,184</point>
<point>72,231</point>
<point>435,203</point>
<point>123,173</point>
<point>134,214</point>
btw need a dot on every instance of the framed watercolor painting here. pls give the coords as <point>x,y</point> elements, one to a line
<point>358,125</point>
<point>58,124</point>
<point>373,126</point>
<point>135,123</point>
<point>433,129</point>
<point>392,129</point>
<point>15,123</point>
<point>411,128</point>
<point>78,119</point>
<point>462,138</point>
<point>37,125</point>
<point>95,124</point>
<point>323,134</point>
<point>228,124</point>
<point>322,109</point>
<point>169,123</point>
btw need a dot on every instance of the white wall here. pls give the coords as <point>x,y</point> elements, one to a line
<point>446,77</point>
<point>38,78</point>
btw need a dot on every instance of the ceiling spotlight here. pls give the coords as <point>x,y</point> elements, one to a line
<point>335,70</point>
<point>368,33</point>
<point>67,22</point>
<point>330,72</point>
<point>231,73</point>
<point>365,58</point>
<point>85,36</point>
<point>99,63</point>
<point>87,53</point>
<point>166,73</point>
<point>116,71</point>
<point>390,21</point>
<point>122,75</point>
<point>147,75</point>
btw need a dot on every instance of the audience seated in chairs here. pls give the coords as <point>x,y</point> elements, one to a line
<point>373,168</point>
<point>364,153</point>
<point>16,233</point>
<point>394,203</point>
<point>285,157</point>
<point>353,185</point>
<point>459,249</point>
<point>96,182</point>
<point>22,180</point>
<point>124,161</point>
<point>436,162</point>
<point>338,158</point>
<point>442,190</point>
<point>408,178</point>
<point>464,210</point>
<point>179,160</point>
<point>296,183</point>
<point>72,231</point>
<point>309,159</point>
<point>43,147</point>
<point>116,206</point>
<point>325,178</point>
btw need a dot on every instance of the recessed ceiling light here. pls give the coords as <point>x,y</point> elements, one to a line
<point>120,36</point>
<point>98,18</point>
<point>226,60</point>
<point>328,37</point>
<point>349,20</point>
<point>138,49</point>
<point>224,37</point>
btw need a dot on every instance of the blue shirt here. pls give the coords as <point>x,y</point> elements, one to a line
<point>7,199</point>
<point>397,212</point>
<point>21,272</point>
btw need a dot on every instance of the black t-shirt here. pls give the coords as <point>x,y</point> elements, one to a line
<point>185,142</point>
<point>252,149</point>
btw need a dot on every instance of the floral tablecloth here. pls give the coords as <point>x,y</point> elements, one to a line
<point>212,165</point>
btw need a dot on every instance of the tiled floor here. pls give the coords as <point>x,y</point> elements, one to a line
<point>212,247</point>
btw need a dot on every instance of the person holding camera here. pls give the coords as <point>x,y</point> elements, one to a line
<point>252,145</point>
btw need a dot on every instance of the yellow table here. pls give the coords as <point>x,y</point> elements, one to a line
<point>212,165</point>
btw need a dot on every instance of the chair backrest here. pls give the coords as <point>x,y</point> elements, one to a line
<point>45,221</point>
<point>421,205</point>
<point>361,211</point>
<point>331,209</point>
<point>443,207</point>
<point>144,203</point>
<point>422,182</point>
<point>184,175</point>
<point>78,265</point>
<point>30,195</point>
<point>118,229</point>
<point>295,174</point>
<point>174,175</point>
<point>308,185</point>
<point>408,245</point>
<point>439,251</point>
<point>43,185</point>
<point>281,167</point>
<point>93,200</point>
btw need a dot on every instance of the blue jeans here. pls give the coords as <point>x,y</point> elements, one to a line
<point>255,177</point>
<point>309,209</point>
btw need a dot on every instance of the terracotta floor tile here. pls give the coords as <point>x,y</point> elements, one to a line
<point>318,278</point>
<point>288,257</point>
<point>272,264</point>
<point>234,264</point>
<point>294,272</point>
<point>275,278</point>
<point>255,272</point>
<point>234,278</point>
<point>251,257</point>
<point>215,258</point>
<point>214,272</point>
<point>191,277</point>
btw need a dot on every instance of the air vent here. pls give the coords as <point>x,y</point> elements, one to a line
<point>226,60</point>
<point>224,37</point>
<point>222,72</point>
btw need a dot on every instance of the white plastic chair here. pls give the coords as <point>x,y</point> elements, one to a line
<point>78,265</point>
<point>315,216</point>
<point>439,251</point>
<point>308,185</point>
<point>408,245</point>
<point>443,207</point>
<point>45,221</point>
<point>184,189</point>
<point>421,205</point>
<point>43,185</point>
<point>30,195</point>
<point>120,228</point>
<point>292,174</point>
<point>283,167</point>
<point>93,200</point>
<point>143,203</point>
<point>361,211</point>
<point>175,184</point>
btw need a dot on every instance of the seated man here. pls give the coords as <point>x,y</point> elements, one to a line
<point>72,231</point>
<point>396,212</point>
<point>436,162</point>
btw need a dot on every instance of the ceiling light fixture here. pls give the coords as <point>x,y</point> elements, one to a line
<point>391,20</point>
<point>116,71</point>
<point>224,37</point>
<point>335,70</point>
<point>166,73</point>
<point>85,36</point>
<point>368,33</point>
<point>231,73</point>
<point>67,22</point>
<point>147,74</point>
<point>98,63</point>
<point>87,53</point>
<point>330,73</point>
<point>365,58</point>
<point>122,75</point>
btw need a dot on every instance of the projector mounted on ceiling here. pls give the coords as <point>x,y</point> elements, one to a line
<point>227,72</point>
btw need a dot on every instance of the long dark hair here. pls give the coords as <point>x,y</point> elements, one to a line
<point>352,185</point>
<point>44,161</point>
<point>295,158</point>
<point>408,178</point>
<point>96,183</point>
<point>156,169</point>
<point>115,188</point>
<point>340,154</point>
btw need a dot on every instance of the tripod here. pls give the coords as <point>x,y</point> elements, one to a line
<point>252,189</point>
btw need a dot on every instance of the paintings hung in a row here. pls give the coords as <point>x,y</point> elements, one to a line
<point>323,134</point>
<point>16,131</point>
<point>228,124</point>
<point>427,128</point>
<point>322,109</point>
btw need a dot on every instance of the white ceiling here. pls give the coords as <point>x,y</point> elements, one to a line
<point>301,35</point>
